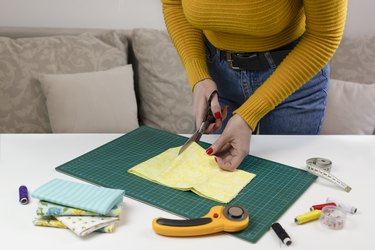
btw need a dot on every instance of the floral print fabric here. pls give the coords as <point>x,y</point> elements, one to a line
<point>81,222</point>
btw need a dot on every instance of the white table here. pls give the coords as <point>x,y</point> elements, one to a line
<point>30,159</point>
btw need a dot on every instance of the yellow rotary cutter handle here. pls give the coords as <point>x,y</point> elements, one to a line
<point>229,219</point>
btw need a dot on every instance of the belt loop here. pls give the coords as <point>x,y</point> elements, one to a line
<point>212,49</point>
<point>270,60</point>
<point>218,53</point>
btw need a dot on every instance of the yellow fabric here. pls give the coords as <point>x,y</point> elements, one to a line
<point>255,26</point>
<point>49,222</point>
<point>193,170</point>
<point>53,222</point>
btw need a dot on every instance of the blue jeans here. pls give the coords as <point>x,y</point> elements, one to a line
<point>300,113</point>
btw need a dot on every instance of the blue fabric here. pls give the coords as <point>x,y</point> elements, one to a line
<point>300,113</point>
<point>77,195</point>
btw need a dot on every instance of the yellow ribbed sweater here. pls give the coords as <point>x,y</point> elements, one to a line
<point>254,26</point>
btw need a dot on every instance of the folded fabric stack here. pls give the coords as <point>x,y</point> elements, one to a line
<point>82,208</point>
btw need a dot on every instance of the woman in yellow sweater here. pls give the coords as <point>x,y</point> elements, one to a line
<point>268,59</point>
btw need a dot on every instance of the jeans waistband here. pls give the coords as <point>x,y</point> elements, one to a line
<point>257,61</point>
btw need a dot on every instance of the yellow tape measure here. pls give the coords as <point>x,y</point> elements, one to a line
<point>229,219</point>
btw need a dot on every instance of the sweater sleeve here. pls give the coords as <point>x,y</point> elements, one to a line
<point>187,40</point>
<point>325,20</point>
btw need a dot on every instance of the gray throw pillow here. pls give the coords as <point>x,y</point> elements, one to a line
<point>22,104</point>
<point>166,100</point>
<point>354,60</point>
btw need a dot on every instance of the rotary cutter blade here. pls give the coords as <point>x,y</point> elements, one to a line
<point>228,219</point>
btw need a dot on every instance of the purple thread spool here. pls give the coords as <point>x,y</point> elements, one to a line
<point>24,195</point>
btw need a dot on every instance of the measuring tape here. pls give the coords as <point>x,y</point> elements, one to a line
<point>322,167</point>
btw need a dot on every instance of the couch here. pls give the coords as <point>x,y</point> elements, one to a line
<point>112,81</point>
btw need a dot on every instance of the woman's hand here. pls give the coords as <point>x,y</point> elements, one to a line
<point>233,144</point>
<point>202,92</point>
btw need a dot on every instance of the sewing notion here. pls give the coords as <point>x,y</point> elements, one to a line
<point>23,195</point>
<point>346,207</point>
<point>333,217</point>
<point>322,167</point>
<point>307,217</point>
<point>281,233</point>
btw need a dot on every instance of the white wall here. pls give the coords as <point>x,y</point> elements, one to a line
<point>122,14</point>
<point>118,14</point>
<point>361,18</point>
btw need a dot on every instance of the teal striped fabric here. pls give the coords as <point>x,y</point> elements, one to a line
<point>77,195</point>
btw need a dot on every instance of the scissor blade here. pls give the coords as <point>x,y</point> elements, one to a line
<point>194,138</point>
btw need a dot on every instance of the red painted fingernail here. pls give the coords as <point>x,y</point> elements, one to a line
<point>209,151</point>
<point>218,115</point>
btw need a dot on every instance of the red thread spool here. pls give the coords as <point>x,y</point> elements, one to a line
<point>320,206</point>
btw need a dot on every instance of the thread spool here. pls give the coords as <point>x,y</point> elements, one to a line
<point>23,195</point>
<point>280,232</point>
<point>346,207</point>
<point>320,206</point>
<point>310,216</point>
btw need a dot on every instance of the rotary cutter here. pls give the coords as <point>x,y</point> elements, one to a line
<point>229,219</point>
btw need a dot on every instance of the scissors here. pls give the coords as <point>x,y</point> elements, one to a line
<point>209,118</point>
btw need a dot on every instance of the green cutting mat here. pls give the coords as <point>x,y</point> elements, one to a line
<point>267,197</point>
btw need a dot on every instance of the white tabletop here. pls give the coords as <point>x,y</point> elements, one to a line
<point>30,159</point>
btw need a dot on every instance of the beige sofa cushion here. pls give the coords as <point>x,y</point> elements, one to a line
<point>22,105</point>
<point>350,108</point>
<point>92,102</point>
<point>165,97</point>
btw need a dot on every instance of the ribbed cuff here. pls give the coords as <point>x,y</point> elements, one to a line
<point>196,71</point>
<point>253,110</point>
